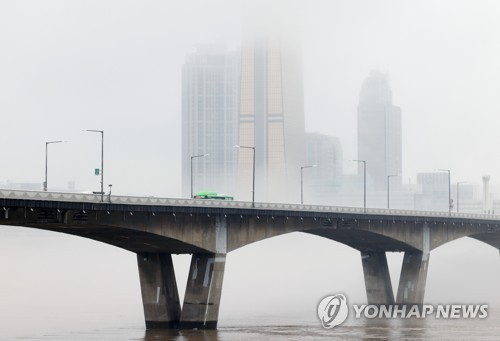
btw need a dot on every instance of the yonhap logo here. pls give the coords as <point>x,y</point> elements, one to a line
<point>332,310</point>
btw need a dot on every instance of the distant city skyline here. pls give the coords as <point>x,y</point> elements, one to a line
<point>144,81</point>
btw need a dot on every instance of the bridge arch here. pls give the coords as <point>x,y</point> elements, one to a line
<point>464,270</point>
<point>443,235</point>
<point>125,237</point>
<point>289,273</point>
<point>361,235</point>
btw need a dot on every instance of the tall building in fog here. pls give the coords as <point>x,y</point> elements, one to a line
<point>271,118</point>
<point>210,109</point>
<point>322,183</point>
<point>433,194</point>
<point>325,152</point>
<point>379,132</point>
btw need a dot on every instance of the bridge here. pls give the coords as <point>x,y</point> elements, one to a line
<point>155,228</point>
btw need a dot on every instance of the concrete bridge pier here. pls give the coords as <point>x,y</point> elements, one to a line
<point>411,288</point>
<point>203,291</point>
<point>160,297</point>
<point>377,278</point>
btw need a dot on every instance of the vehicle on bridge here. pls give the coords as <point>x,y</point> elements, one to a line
<point>212,195</point>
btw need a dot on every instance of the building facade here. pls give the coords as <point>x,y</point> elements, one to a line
<point>322,183</point>
<point>433,193</point>
<point>271,119</point>
<point>379,132</point>
<point>210,111</point>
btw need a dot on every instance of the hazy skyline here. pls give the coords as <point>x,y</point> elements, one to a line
<point>116,65</point>
<point>68,66</point>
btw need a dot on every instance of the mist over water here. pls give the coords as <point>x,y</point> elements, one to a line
<point>72,65</point>
<point>64,287</point>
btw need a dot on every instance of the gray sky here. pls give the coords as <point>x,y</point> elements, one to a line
<point>115,65</point>
<point>72,65</point>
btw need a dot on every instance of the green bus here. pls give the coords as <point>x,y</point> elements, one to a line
<point>212,195</point>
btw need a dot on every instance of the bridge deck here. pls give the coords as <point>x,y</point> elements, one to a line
<point>36,199</point>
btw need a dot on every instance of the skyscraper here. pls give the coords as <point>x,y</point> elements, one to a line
<point>271,118</point>
<point>379,132</point>
<point>325,152</point>
<point>210,109</point>
<point>323,182</point>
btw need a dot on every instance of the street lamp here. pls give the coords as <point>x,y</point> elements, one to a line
<point>301,182</point>
<point>191,171</point>
<point>388,187</point>
<point>449,188</point>
<point>109,196</point>
<point>46,162</point>
<point>458,194</point>
<point>102,160</point>
<point>364,182</point>
<point>253,176</point>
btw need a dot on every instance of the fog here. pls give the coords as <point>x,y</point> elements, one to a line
<point>66,66</point>
<point>73,65</point>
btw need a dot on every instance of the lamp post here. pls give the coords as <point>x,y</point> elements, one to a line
<point>388,186</point>
<point>102,160</point>
<point>109,196</point>
<point>253,171</point>
<point>449,188</point>
<point>191,170</point>
<point>364,182</point>
<point>301,182</point>
<point>46,162</point>
<point>458,194</point>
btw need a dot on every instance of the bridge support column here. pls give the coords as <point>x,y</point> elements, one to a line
<point>203,292</point>
<point>411,288</point>
<point>377,278</point>
<point>160,297</point>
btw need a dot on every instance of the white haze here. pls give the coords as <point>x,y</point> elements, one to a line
<point>115,65</point>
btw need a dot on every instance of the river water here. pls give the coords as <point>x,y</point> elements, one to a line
<point>262,329</point>
<point>57,287</point>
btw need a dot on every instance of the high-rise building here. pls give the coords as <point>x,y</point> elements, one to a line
<point>322,183</point>
<point>271,118</point>
<point>210,109</point>
<point>379,132</point>
<point>326,153</point>
<point>433,194</point>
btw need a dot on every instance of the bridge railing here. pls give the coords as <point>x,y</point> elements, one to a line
<point>157,201</point>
